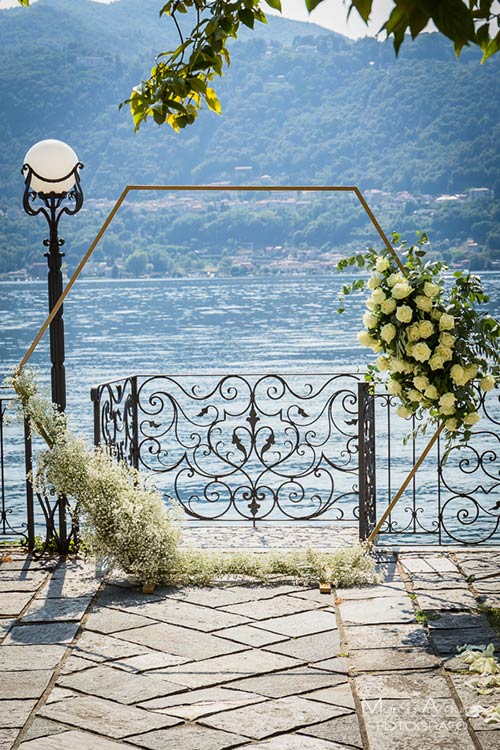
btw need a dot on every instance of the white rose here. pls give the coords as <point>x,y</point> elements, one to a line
<point>395,278</point>
<point>487,383</point>
<point>382,264</point>
<point>436,313</point>
<point>404,412</point>
<point>414,395</point>
<point>420,352</point>
<point>436,362</point>
<point>431,290</point>
<point>401,290</point>
<point>425,329</point>
<point>388,332</point>
<point>364,338</point>
<point>451,425</point>
<point>446,322</point>
<point>444,352</point>
<point>383,363</point>
<point>431,392</point>
<point>457,374</point>
<point>370,304</point>
<point>374,282</point>
<point>471,418</point>
<point>470,372</point>
<point>393,387</point>
<point>447,339</point>
<point>397,365</point>
<point>420,382</point>
<point>413,332</point>
<point>378,296</point>
<point>388,306</point>
<point>370,320</point>
<point>404,313</point>
<point>447,403</point>
<point>423,303</point>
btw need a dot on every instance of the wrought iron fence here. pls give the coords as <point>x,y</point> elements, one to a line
<point>455,496</point>
<point>301,448</point>
<point>239,447</point>
<point>16,492</point>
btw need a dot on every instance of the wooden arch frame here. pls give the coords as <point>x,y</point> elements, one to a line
<point>236,188</point>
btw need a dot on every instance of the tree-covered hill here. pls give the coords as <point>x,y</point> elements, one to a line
<point>300,105</point>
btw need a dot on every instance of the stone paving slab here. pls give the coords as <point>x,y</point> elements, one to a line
<point>179,641</point>
<point>20,658</point>
<point>7,737</point>
<point>188,737</point>
<point>227,668</point>
<point>338,695</point>
<point>458,620</point>
<point>399,724</point>
<point>297,742</point>
<point>123,687</point>
<point>379,611</point>
<point>325,537</point>
<point>438,581</point>
<point>446,600</point>
<point>386,636</point>
<point>11,583</point>
<point>448,641</point>
<point>12,603</point>
<point>105,717</point>
<point>250,636</point>
<point>51,610</point>
<point>310,648</point>
<point>14,713</point>
<point>303,623</point>
<point>71,739</point>
<point>193,704</point>
<point>265,609</point>
<point>427,563</point>
<point>42,633</point>
<point>392,588</point>
<point>271,717</point>
<point>478,565</point>
<point>393,659</point>
<point>107,620</point>
<point>399,685</point>
<point>343,729</point>
<point>281,684</point>
<point>189,615</point>
<point>43,728</point>
<point>24,684</point>
<point>98,647</point>
<point>5,625</point>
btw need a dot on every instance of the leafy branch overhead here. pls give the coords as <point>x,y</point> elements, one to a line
<point>180,80</point>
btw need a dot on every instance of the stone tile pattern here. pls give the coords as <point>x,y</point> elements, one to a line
<point>242,665</point>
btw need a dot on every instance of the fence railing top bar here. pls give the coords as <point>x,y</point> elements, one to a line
<point>285,375</point>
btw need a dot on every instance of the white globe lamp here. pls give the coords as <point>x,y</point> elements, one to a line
<point>50,167</point>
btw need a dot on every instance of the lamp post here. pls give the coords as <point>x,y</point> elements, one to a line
<point>51,174</point>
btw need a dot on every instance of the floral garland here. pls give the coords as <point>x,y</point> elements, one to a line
<point>437,352</point>
<point>126,522</point>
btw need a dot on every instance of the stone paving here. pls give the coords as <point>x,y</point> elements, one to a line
<point>88,662</point>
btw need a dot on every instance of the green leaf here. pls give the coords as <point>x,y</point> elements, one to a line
<point>247,17</point>
<point>312,4</point>
<point>212,101</point>
<point>364,8</point>
<point>276,4</point>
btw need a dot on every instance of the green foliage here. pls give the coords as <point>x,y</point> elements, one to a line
<point>437,347</point>
<point>178,84</point>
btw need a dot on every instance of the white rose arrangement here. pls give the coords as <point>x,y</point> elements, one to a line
<point>438,353</point>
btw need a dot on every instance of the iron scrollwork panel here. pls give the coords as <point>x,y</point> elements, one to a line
<point>252,447</point>
<point>115,418</point>
<point>469,475</point>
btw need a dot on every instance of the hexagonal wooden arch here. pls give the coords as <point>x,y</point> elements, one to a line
<point>236,188</point>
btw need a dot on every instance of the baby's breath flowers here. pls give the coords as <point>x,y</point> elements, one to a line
<point>438,353</point>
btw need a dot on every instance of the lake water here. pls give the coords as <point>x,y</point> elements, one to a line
<point>237,325</point>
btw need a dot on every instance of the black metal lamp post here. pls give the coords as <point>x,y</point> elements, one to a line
<point>51,174</point>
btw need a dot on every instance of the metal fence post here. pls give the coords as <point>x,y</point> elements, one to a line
<point>134,448</point>
<point>28,463</point>
<point>367,474</point>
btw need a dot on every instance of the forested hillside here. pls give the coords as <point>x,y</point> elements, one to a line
<point>301,105</point>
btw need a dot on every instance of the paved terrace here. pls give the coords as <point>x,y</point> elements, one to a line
<point>90,662</point>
